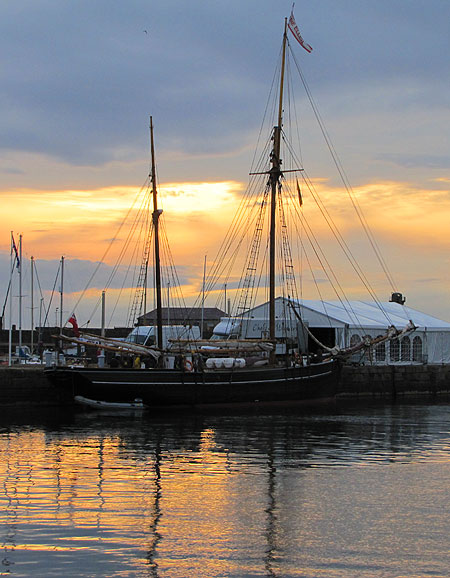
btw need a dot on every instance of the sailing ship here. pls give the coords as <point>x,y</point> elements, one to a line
<point>241,369</point>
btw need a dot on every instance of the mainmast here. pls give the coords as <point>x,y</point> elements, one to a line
<point>155,216</point>
<point>274,180</point>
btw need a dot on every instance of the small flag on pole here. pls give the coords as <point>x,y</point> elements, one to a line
<point>300,199</point>
<point>292,25</point>
<point>14,248</point>
<point>73,320</point>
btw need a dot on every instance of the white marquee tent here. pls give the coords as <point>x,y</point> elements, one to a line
<point>430,342</point>
<point>348,322</point>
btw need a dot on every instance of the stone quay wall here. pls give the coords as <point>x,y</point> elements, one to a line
<point>394,380</point>
<point>27,385</point>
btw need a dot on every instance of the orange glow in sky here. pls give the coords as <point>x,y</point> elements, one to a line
<point>76,223</point>
<point>75,139</point>
<point>408,222</point>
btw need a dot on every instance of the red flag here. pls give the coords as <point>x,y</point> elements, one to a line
<point>292,25</point>
<point>73,321</point>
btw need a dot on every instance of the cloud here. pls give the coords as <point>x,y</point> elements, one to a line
<point>12,171</point>
<point>79,81</point>
<point>417,161</point>
<point>82,81</point>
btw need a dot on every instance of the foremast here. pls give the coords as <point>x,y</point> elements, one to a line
<point>155,218</point>
<point>275,184</point>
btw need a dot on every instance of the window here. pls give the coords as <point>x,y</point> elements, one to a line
<point>395,350</point>
<point>354,340</point>
<point>417,349</point>
<point>405,354</point>
<point>380,351</point>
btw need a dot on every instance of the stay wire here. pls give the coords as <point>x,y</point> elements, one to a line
<point>344,178</point>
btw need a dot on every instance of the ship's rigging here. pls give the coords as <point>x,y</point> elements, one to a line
<point>275,196</point>
<point>283,241</point>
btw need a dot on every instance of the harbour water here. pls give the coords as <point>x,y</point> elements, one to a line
<point>341,491</point>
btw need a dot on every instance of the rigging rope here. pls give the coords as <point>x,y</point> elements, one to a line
<point>343,176</point>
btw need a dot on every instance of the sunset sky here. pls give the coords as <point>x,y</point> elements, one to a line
<point>79,80</point>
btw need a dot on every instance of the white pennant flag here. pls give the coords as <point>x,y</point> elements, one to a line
<point>292,25</point>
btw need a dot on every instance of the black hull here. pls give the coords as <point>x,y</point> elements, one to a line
<point>173,388</point>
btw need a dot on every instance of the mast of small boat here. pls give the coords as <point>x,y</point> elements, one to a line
<point>103,328</point>
<point>274,179</point>
<point>10,288</point>
<point>20,291</point>
<point>61,303</point>
<point>155,216</point>
<point>32,305</point>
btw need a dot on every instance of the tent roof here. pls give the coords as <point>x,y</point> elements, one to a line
<point>360,313</point>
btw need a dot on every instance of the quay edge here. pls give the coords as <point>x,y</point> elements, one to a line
<point>394,381</point>
<point>27,385</point>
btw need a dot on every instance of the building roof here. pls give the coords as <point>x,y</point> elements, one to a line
<point>186,314</point>
<point>354,314</point>
<point>361,313</point>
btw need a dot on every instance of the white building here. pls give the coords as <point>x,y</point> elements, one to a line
<point>344,324</point>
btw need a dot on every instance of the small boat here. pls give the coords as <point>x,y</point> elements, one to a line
<point>136,404</point>
<point>264,369</point>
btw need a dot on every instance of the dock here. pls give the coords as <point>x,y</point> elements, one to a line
<point>27,386</point>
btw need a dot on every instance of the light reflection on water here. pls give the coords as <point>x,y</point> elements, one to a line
<point>338,492</point>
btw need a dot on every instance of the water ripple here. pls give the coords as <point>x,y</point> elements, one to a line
<point>347,491</point>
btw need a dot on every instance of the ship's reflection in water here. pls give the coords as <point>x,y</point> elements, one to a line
<point>339,492</point>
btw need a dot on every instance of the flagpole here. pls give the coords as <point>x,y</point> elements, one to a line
<point>40,327</point>
<point>20,292</point>
<point>32,305</point>
<point>10,305</point>
<point>102,333</point>
<point>61,308</point>
<point>61,297</point>
<point>168,302</point>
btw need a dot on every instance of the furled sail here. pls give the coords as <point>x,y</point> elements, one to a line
<point>112,345</point>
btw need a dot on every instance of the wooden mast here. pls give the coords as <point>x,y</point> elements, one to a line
<point>155,216</point>
<point>274,179</point>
